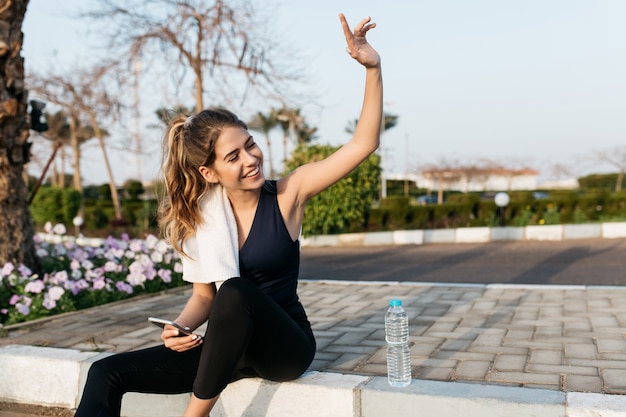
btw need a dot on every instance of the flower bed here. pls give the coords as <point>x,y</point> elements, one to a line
<point>77,277</point>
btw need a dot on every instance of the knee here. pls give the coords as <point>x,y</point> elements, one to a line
<point>235,290</point>
<point>104,370</point>
<point>233,297</point>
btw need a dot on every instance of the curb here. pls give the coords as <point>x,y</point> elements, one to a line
<point>423,237</point>
<point>472,235</point>
<point>54,377</point>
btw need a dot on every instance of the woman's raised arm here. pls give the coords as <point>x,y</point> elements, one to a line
<point>310,179</point>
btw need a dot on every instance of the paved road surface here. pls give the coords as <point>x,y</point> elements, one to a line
<point>573,262</point>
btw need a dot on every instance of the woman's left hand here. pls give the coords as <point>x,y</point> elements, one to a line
<point>358,47</point>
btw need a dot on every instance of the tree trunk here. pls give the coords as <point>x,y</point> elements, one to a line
<point>620,178</point>
<point>76,182</point>
<point>114,195</point>
<point>16,227</point>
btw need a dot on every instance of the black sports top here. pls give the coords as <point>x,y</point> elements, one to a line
<point>269,257</point>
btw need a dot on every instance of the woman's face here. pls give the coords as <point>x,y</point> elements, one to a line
<point>238,161</point>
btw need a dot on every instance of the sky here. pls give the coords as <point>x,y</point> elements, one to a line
<point>533,83</point>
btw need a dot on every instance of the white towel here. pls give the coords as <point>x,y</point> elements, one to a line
<point>214,249</point>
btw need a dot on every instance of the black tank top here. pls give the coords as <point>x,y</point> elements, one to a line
<point>269,257</point>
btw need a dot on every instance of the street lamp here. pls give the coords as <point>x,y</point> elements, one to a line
<point>78,222</point>
<point>502,200</point>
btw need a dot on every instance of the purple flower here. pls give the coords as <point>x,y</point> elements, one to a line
<point>124,287</point>
<point>24,271</point>
<point>165,275</point>
<point>49,302</point>
<point>178,267</point>
<point>23,309</point>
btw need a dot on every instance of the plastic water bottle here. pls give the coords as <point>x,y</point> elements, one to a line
<point>397,337</point>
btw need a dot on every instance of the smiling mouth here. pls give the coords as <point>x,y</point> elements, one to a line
<point>252,173</point>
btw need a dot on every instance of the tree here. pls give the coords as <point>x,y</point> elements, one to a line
<point>389,121</point>
<point>262,122</point>
<point>616,158</point>
<point>85,96</point>
<point>346,202</point>
<point>16,226</point>
<point>209,38</point>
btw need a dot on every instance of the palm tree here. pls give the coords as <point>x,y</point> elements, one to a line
<point>265,123</point>
<point>16,226</point>
<point>288,119</point>
<point>389,121</point>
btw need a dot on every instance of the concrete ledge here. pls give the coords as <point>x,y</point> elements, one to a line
<point>613,230</point>
<point>54,377</point>
<point>378,238</point>
<point>553,232</point>
<point>408,237</point>
<point>41,376</point>
<point>473,235</point>
<point>582,231</point>
<point>453,399</point>
<point>440,236</point>
<point>507,233</point>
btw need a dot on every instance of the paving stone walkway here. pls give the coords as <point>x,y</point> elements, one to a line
<point>553,337</point>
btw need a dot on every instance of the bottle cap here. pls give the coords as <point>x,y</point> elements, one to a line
<point>395,303</point>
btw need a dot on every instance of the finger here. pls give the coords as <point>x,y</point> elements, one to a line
<point>189,345</point>
<point>347,33</point>
<point>359,28</point>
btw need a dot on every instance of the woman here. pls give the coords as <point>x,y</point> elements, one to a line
<point>257,326</point>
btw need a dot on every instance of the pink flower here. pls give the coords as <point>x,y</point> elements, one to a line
<point>55,293</point>
<point>7,269</point>
<point>35,287</point>
<point>99,284</point>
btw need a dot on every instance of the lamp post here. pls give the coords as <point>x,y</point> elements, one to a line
<point>502,200</point>
<point>78,222</point>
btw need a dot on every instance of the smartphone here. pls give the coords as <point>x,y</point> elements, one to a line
<point>162,322</point>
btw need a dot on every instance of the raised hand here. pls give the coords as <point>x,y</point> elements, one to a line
<point>358,47</point>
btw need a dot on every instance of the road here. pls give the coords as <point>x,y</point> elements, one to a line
<point>571,262</point>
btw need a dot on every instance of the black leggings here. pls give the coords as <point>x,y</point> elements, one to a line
<point>248,335</point>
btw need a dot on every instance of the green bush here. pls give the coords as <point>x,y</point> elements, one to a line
<point>345,204</point>
<point>55,205</point>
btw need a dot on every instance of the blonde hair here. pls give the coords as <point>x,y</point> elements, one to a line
<point>188,144</point>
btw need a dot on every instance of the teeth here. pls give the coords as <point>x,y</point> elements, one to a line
<point>253,173</point>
